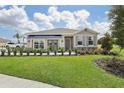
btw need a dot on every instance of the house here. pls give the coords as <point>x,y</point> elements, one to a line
<point>3,42</point>
<point>62,37</point>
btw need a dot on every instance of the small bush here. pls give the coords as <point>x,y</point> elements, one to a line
<point>14,50</point>
<point>3,52</point>
<point>62,51</point>
<point>70,52</point>
<point>9,51</point>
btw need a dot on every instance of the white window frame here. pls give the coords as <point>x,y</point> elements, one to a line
<point>39,41</point>
<point>92,40</point>
<point>83,41</point>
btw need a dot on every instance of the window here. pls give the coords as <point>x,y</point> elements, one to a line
<point>36,45</point>
<point>39,44</point>
<point>80,40</point>
<point>53,44</point>
<point>90,40</point>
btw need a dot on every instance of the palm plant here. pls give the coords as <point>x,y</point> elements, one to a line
<point>76,51</point>
<point>48,51</point>
<point>9,51</point>
<point>18,37</point>
<point>14,50</point>
<point>3,52</point>
<point>62,51</point>
<point>70,52</point>
<point>55,52</point>
<point>21,51</point>
<point>28,51</point>
<point>41,52</point>
<point>35,52</point>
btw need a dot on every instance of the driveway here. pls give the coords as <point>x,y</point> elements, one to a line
<point>14,82</point>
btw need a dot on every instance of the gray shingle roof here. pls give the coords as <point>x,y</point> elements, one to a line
<point>60,31</point>
<point>57,31</point>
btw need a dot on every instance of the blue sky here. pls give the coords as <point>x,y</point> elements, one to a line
<point>40,17</point>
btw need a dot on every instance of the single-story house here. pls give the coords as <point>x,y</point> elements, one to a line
<point>3,42</point>
<point>62,37</point>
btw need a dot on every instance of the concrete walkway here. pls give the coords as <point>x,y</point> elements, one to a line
<point>14,82</point>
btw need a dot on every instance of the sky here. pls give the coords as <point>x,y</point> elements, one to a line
<point>29,18</point>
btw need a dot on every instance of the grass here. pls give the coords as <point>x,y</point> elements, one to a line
<point>62,71</point>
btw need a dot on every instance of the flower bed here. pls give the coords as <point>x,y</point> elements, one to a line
<point>112,65</point>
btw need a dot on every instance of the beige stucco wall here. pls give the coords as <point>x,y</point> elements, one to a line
<point>31,43</point>
<point>86,34</point>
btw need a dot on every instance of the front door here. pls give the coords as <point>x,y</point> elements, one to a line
<point>68,43</point>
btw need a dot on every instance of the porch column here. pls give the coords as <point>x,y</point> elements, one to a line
<point>85,40</point>
<point>45,43</point>
<point>74,41</point>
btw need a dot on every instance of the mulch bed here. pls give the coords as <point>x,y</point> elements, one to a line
<point>112,65</point>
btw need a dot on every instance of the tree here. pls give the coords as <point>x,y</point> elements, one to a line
<point>116,15</point>
<point>100,40</point>
<point>18,37</point>
<point>107,43</point>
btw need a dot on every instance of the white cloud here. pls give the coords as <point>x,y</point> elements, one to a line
<point>74,20</point>
<point>82,15</point>
<point>54,13</point>
<point>106,12</point>
<point>16,17</point>
<point>43,20</point>
<point>69,19</point>
<point>42,17</point>
<point>101,27</point>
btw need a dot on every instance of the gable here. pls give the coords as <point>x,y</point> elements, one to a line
<point>87,31</point>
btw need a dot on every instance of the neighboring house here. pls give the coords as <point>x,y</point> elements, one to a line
<point>62,37</point>
<point>3,42</point>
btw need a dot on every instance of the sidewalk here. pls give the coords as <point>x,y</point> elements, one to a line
<point>14,82</point>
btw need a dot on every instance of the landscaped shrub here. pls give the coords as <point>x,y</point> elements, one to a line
<point>21,51</point>
<point>62,51</point>
<point>82,52</point>
<point>41,52</point>
<point>48,51</point>
<point>55,52</point>
<point>114,53</point>
<point>3,52</point>
<point>70,52</point>
<point>76,51</point>
<point>28,51</point>
<point>107,43</point>
<point>112,65</point>
<point>8,51</point>
<point>97,51</point>
<point>35,52</point>
<point>14,50</point>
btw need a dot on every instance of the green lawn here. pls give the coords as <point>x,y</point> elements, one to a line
<point>63,71</point>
